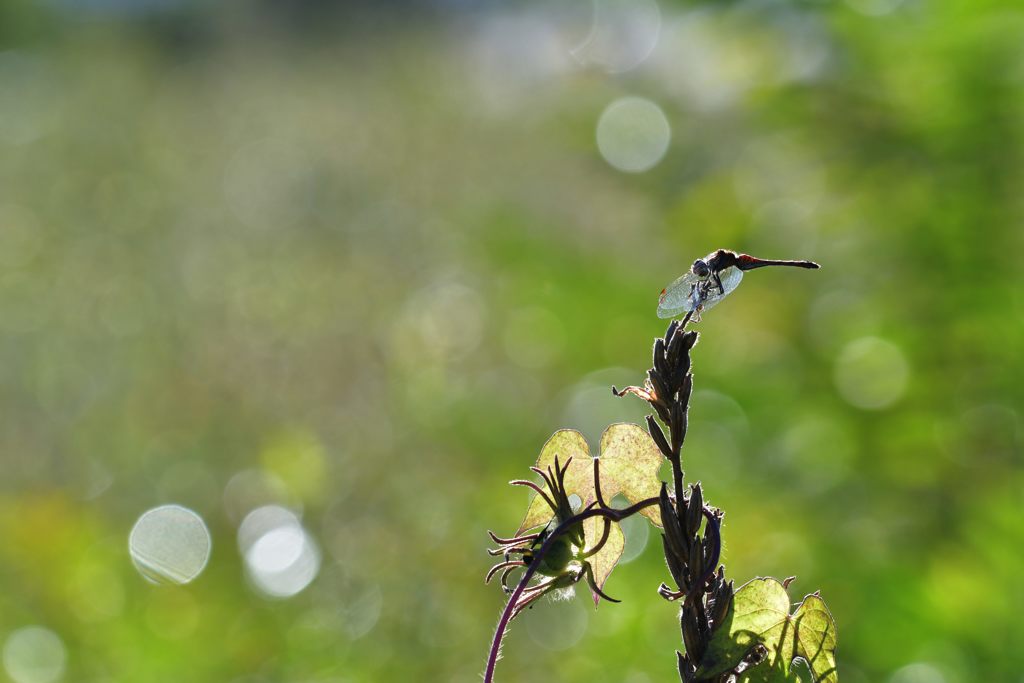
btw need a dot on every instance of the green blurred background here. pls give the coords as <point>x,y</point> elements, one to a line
<point>358,262</point>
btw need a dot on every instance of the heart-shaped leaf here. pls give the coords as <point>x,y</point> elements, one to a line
<point>629,464</point>
<point>630,461</point>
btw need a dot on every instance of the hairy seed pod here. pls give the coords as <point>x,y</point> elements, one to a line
<point>675,349</point>
<point>661,390</point>
<point>676,541</point>
<point>675,564</point>
<point>659,355</point>
<point>685,388</point>
<point>659,436</point>
<point>721,611</point>
<point>691,638</point>
<point>696,559</point>
<point>677,425</point>
<point>687,670</point>
<point>694,510</point>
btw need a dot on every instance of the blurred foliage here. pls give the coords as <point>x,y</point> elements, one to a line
<point>379,260</point>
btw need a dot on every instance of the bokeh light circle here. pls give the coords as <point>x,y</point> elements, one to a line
<point>34,654</point>
<point>633,134</point>
<point>622,35</point>
<point>170,544</point>
<point>918,672</point>
<point>559,622</point>
<point>871,373</point>
<point>636,530</point>
<point>281,557</point>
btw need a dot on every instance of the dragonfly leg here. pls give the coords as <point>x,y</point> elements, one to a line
<point>718,281</point>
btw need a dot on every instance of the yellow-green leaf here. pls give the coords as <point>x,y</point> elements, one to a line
<point>629,465</point>
<point>608,556</point>
<point>816,638</point>
<point>579,478</point>
<point>760,614</point>
<point>757,607</point>
<point>630,462</point>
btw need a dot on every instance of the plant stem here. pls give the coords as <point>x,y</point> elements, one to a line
<point>506,614</point>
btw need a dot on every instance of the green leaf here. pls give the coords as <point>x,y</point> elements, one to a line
<point>760,614</point>
<point>762,673</point>
<point>816,638</point>
<point>629,464</point>
<point>579,478</point>
<point>757,608</point>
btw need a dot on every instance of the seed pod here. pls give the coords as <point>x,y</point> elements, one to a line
<point>677,425</point>
<point>694,511</point>
<point>691,637</point>
<point>675,564</point>
<point>697,557</point>
<point>659,436</point>
<point>720,611</point>
<point>661,364</point>
<point>671,331</point>
<point>685,387</point>
<point>661,390</point>
<point>687,671</point>
<point>675,349</point>
<point>676,541</point>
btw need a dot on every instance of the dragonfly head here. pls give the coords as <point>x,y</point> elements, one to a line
<point>700,268</point>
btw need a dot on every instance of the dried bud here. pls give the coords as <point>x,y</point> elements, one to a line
<point>694,511</point>
<point>675,540</point>
<point>675,564</point>
<point>721,611</point>
<point>676,346</point>
<point>677,425</point>
<point>657,382</point>
<point>687,670</point>
<point>685,387</point>
<point>691,637</point>
<point>697,559</point>
<point>659,436</point>
<point>661,365</point>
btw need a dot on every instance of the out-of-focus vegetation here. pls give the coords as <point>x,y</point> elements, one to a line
<point>360,264</point>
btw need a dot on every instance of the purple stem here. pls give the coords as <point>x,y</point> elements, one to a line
<point>506,615</point>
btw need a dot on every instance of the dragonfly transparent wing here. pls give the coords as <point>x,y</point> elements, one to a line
<point>730,280</point>
<point>677,298</point>
<point>690,291</point>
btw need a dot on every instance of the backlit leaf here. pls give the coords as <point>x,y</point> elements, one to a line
<point>629,464</point>
<point>605,560</point>
<point>757,607</point>
<point>760,615</point>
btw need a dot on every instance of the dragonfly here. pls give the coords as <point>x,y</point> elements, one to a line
<point>710,280</point>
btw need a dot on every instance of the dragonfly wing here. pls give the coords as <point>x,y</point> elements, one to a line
<point>730,280</point>
<point>675,299</point>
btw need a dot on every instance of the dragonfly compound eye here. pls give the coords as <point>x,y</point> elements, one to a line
<point>700,268</point>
